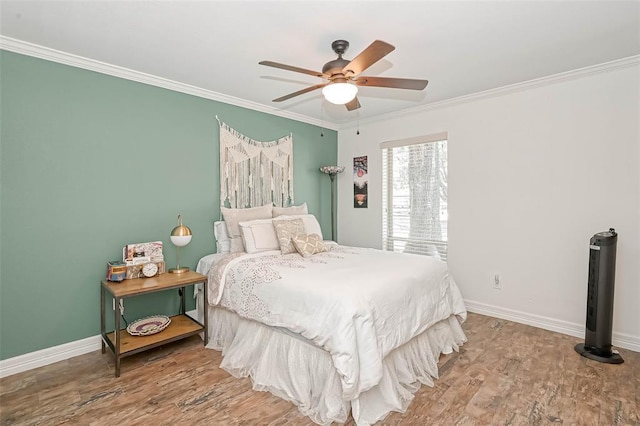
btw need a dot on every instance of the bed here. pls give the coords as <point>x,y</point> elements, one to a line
<point>343,330</point>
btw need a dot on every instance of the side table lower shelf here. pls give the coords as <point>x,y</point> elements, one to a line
<point>181,326</point>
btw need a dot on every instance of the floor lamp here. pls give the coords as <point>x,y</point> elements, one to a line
<point>332,171</point>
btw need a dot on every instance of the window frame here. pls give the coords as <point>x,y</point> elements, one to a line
<point>388,216</point>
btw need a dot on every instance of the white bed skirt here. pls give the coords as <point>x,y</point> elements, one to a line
<point>296,370</point>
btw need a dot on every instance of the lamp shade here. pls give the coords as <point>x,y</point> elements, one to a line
<point>332,170</point>
<point>181,240</point>
<point>340,93</point>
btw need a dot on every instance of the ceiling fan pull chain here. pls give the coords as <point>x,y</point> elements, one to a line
<point>321,119</point>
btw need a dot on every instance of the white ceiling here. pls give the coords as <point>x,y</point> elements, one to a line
<point>461,47</point>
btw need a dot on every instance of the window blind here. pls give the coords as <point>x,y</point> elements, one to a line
<point>415,196</point>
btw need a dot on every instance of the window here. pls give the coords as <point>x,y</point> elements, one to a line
<point>415,195</point>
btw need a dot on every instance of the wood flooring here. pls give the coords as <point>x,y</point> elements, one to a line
<point>506,374</point>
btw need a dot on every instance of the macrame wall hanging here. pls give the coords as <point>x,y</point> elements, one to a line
<point>254,173</point>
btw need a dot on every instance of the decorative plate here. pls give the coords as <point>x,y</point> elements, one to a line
<point>149,325</point>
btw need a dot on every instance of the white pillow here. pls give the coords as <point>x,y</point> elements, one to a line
<point>233,217</point>
<point>311,225</point>
<point>293,210</point>
<point>259,235</point>
<point>223,242</point>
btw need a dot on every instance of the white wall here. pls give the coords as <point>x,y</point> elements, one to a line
<point>533,174</point>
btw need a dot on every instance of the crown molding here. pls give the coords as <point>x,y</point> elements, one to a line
<point>37,51</point>
<point>53,55</point>
<point>504,90</point>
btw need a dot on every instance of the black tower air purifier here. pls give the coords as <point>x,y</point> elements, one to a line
<point>602,269</point>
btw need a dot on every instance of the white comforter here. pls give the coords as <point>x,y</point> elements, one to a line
<point>358,304</point>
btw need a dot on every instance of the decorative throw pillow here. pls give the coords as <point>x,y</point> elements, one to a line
<point>286,230</point>
<point>311,225</point>
<point>301,209</point>
<point>308,244</point>
<point>233,217</point>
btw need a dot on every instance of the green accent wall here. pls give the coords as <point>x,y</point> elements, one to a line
<point>91,162</point>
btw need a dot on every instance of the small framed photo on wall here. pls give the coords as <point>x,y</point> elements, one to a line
<point>360,182</point>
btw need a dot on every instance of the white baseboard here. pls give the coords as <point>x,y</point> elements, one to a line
<point>48,356</point>
<point>621,340</point>
<point>53,354</point>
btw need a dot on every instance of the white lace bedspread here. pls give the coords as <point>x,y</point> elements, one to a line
<point>357,304</point>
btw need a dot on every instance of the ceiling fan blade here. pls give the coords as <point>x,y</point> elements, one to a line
<point>292,68</point>
<point>395,83</point>
<point>369,56</point>
<point>299,92</point>
<point>353,104</point>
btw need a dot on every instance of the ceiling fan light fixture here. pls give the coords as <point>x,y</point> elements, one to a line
<point>342,77</point>
<point>340,93</point>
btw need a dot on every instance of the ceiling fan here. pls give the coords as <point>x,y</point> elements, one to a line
<point>344,75</point>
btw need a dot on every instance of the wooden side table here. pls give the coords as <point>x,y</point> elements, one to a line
<point>121,342</point>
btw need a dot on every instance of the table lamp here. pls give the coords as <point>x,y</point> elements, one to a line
<point>180,237</point>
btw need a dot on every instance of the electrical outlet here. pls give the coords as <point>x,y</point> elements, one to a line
<point>496,282</point>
